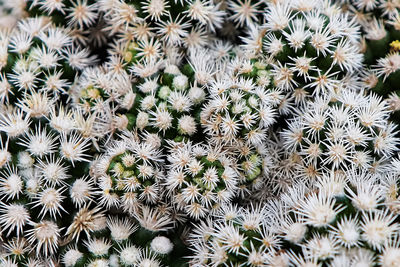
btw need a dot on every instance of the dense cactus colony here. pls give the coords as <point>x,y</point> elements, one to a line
<point>199,133</point>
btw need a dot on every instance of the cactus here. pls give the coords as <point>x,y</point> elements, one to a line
<point>313,47</point>
<point>200,178</point>
<point>129,173</point>
<point>340,132</point>
<point>350,218</point>
<point>236,236</point>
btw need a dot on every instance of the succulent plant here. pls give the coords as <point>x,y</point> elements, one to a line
<point>81,17</point>
<point>38,178</point>
<point>313,47</point>
<point>380,27</point>
<point>200,178</point>
<point>234,237</point>
<point>243,105</point>
<point>171,23</point>
<point>129,173</point>
<point>38,57</point>
<point>350,218</point>
<point>121,241</point>
<point>340,132</point>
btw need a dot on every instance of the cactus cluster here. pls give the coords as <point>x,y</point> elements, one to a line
<point>199,133</point>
